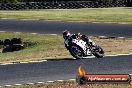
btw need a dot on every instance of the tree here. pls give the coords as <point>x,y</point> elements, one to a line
<point>9,1</point>
<point>106,1</point>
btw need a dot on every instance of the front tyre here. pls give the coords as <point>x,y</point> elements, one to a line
<point>76,52</point>
<point>98,52</point>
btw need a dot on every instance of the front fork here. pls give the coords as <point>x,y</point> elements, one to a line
<point>91,49</point>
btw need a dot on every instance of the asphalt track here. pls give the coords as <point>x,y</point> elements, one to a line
<point>64,69</point>
<point>56,27</point>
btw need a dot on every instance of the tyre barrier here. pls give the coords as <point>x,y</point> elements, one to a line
<point>59,5</point>
<point>8,45</point>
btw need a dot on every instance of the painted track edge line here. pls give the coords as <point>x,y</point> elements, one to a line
<point>8,85</point>
<point>18,84</point>
<point>72,79</point>
<point>49,60</point>
<point>29,83</point>
<point>49,81</point>
<point>119,55</point>
<point>23,62</point>
<point>41,82</point>
<point>59,80</point>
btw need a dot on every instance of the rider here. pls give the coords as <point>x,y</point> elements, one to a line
<point>68,35</point>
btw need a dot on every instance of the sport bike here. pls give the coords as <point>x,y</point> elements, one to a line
<point>80,49</point>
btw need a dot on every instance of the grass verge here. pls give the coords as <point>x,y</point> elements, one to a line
<point>88,14</point>
<point>45,46</point>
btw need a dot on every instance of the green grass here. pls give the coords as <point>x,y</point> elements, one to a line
<point>45,46</point>
<point>42,46</point>
<point>88,14</point>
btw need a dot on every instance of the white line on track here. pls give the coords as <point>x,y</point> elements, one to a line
<point>6,64</point>
<point>42,60</point>
<point>121,37</point>
<point>90,57</point>
<point>33,61</point>
<point>30,83</point>
<point>50,81</point>
<point>72,79</point>
<point>119,55</point>
<point>60,80</point>
<point>24,62</point>
<point>8,85</point>
<point>40,82</point>
<point>18,84</point>
<point>37,61</point>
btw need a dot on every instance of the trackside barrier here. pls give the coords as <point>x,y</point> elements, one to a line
<point>59,5</point>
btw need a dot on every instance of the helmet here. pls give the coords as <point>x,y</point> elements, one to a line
<point>78,33</point>
<point>66,34</point>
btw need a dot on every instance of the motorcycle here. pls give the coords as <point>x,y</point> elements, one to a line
<point>80,49</point>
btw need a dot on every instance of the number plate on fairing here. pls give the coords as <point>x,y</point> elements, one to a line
<point>81,43</point>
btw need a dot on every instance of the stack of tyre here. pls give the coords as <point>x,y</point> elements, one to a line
<point>8,45</point>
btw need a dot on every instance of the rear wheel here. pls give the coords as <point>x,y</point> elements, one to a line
<point>76,52</point>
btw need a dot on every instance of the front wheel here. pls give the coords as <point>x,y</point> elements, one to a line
<point>76,52</point>
<point>98,52</point>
